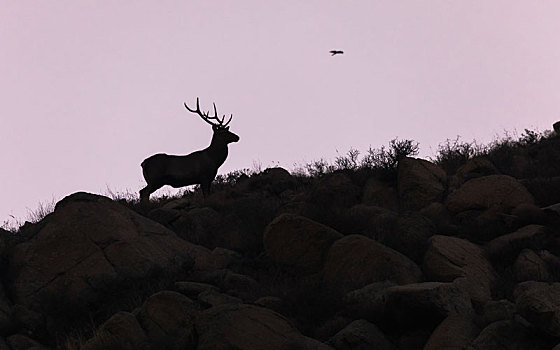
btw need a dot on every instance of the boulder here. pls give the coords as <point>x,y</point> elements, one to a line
<point>360,334</point>
<point>248,327</point>
<point>420,183</point>
<point>88,244</point>
<point>455,332</point>
<point>473,168</point>
<point>530,267</point>
<point>419,305</point>
<point>168,319</point>
<point>506,335</point>
<point>539,303</point>
<point>367,302</point>
<point>299,242</point>
<point>488,191</point>
<point>498,310</point>
<point>121,331</point>
<point>411,236</point>
<point>355,261</point>
<point>506,248</point>
<point>449,258</point>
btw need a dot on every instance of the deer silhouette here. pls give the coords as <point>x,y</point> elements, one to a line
<point>199,167</point>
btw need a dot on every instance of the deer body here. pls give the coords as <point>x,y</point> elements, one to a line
<point>199,167</point>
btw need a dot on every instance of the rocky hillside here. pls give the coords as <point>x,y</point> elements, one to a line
<point>425,259</point>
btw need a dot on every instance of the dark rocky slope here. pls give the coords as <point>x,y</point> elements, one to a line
<point>422,260</point>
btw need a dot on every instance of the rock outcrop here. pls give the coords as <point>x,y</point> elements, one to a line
<point>87,247</point>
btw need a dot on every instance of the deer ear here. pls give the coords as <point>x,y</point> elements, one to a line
<point>227,128</point>
<point>214,127</point>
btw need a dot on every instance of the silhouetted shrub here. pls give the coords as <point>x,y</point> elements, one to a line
<point>454,153</point>
<point>348,162</point>
<point>388,158</point>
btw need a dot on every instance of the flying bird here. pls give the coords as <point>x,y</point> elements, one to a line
<point>336,52</point>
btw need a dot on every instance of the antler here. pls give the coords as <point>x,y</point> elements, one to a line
<point>209,119</point>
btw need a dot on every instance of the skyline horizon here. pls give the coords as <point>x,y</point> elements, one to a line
<point>91,89</point>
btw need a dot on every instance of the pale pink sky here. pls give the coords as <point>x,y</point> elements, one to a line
<point>91,88</point>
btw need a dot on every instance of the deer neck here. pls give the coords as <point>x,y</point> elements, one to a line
<point>218,151</point>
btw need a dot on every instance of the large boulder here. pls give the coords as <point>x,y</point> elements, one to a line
<point>299,242</point>
<point>355,261</point>
<point>85,248</point>
<point>488,191</point>
<point>450,258</point>
<point>249,327</point>
<point>420,183</point>
<point>168,319</point>
<point>539,303</point>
